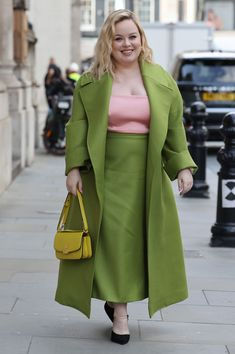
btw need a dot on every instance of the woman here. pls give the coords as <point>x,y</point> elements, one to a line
<point>53,74</point>
<point>125,142</point>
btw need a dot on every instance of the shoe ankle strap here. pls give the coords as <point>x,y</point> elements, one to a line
<point>124,316</point>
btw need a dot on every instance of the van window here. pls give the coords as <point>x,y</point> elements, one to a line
<point>208,71</point>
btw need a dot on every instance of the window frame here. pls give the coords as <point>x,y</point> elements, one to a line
<point>151,9</point>
<point>92,25</point>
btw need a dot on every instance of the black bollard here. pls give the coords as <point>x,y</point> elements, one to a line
<point>223,231</point>
<point>197,136</point>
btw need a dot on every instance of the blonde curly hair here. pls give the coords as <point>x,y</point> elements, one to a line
<point>103,61</point>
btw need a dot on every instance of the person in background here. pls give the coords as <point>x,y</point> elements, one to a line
<point>52,61</point>
<point>72,74</point>
<point>56,85</point>
<point>53,74</point>
<point>213,20</point>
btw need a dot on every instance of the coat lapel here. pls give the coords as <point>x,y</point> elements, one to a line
<point>158,94</point>
<point>95,96</point>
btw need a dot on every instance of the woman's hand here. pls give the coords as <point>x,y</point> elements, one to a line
<point>74,181</point>
<point>185,181</point>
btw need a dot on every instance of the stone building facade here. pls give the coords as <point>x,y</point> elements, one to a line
<point>24,59</point>
<point>57,25</point>
<point>17,113</point>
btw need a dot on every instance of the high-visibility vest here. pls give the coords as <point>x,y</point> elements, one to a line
<point>74,76</point>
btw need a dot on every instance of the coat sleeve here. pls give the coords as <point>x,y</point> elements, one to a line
<point>175,153</point>
<point>76,152</point>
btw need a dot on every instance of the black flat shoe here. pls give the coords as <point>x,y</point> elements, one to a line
<point>120,338</point>
<point>109,310</point>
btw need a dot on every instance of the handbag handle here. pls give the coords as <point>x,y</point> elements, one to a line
<point>65,211</point>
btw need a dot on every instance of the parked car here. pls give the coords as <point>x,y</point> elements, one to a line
<point>208,76</point>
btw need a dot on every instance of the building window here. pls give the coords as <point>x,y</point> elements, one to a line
<point>88,15</point>
<point>145,10</point>
<point>111,5</point>
<point>220,14</point>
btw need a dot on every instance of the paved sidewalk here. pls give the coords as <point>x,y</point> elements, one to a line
<point>32,322</point>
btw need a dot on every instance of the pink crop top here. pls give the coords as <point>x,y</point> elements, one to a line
<point>129,114</point>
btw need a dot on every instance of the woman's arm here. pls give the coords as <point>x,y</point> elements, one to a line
<point>175,152</point>
<point>76,152</point>
<point>74,181</point>
<point>185,180</point>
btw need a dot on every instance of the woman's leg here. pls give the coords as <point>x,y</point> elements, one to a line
<point>120,322</point>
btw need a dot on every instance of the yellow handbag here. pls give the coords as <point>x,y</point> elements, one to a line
<point>72,244</point>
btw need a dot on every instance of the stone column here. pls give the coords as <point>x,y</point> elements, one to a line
<point>15,123</point>
<point>5,140</point>
<point>6,44</point>
<point>75,31</point>
<point>7,79</point>
<point>22,72</point>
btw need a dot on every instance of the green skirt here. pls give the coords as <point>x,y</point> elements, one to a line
<point>121,259</point>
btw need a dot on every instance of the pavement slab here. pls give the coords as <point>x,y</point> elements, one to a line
<point>29,265</point>
<point>14,344</point>
<point>23,225</point>
<point>28,290</point>
<point>5,275</point>
<point>43,306</point>
<point>200,314</point>
<point>197,333</point>
<point>212,282</point>
<point>60,326</point>
<point>7,303</point>
<point>220,298</point>
<point>22,241</point>
<point>196,297</point>
<point>231,349</point>
<point>27,254</point>
<point>35,277</point>
<point>206,267</point>
<point>75,346</point>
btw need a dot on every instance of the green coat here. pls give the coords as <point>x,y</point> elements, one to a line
<point>167,154</point>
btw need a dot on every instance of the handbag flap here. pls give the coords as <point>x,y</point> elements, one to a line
<point>68,241</point>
